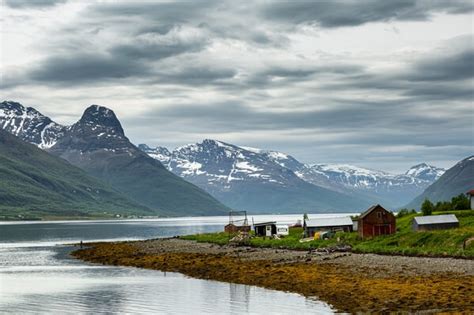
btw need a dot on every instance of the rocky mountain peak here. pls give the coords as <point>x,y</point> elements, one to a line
<point>101,117</point>
<point>424,171</point>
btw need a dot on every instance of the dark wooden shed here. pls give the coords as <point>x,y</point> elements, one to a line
<point>376,221</point>
<point>265,228</point>
<point>435,222</point>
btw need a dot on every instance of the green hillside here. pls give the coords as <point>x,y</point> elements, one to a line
<point>35,184</point>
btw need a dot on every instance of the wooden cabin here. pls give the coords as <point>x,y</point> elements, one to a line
<point>312,226</point>
<point>435,222</point>
<point>376,221</point>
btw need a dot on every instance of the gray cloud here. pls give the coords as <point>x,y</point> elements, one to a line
<point>332,14</point>
<point>86,68</point>
<point>32,4</point>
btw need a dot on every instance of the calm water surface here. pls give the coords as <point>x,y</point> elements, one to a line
<point>37,275</point>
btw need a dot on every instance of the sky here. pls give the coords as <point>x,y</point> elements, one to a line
<point>378,84</point>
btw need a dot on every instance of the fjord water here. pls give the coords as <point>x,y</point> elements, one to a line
<point>37,274</point>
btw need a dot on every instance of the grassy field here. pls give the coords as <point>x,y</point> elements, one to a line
<point>404,242</point>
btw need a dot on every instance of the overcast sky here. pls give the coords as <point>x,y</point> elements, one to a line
<point>380,84</point>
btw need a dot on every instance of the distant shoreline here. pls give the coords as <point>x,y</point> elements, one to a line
<point>349,282</point>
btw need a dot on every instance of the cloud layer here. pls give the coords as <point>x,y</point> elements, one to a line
<point>383,84</point>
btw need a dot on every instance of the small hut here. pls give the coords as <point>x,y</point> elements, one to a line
<point>435,222</point>
<point>312,226</point>
<point>265,228</point>
<point>376,221</point>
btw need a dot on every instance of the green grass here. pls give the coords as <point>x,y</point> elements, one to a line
<point>404,242</point>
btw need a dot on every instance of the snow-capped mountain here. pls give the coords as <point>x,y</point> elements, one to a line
<point>426,172</point>
<point>213,165</point>
<point>251,179</point>
<point>97,144</point>
<point>29,124</point>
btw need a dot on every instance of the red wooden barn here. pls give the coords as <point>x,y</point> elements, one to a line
<point>376,221</point>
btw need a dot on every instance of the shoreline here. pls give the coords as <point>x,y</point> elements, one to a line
<point>349,282</point>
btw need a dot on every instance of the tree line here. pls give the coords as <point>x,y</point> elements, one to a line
<point>460,202</point>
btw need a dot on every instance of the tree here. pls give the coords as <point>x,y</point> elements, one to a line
<point>460,202</point>
<point>427,207</point>
<point>443,206</point>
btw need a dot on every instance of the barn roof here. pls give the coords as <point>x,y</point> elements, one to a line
<point>366,212</point>
<point>325,222</point>
<point>436,219</point>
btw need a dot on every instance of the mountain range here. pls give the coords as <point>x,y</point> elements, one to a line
<point>210,177</point>
<point>98,145</point>
<point>236,175</point>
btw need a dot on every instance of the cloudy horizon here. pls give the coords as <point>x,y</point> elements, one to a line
<point>378,84</point>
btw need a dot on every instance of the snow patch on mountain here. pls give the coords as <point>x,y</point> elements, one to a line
<point>29,124</point>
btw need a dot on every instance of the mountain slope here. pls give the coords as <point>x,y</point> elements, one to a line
<point>249,180</point>
<point>459,179</point>
<point>34,183</point>
<point>97,144</point>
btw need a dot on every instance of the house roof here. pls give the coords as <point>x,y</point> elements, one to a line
<point>264,223</point>
<point>436,219</point>
<point>325,222</point>
<point>366,212</point>
<point>471,192</point>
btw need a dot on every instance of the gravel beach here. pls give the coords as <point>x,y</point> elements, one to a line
<point>353,283</point>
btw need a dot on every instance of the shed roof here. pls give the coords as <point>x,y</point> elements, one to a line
<point>436,219</point>
<point>323,222</point>
<point>264,223</point>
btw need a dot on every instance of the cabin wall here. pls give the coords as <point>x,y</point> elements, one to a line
<point>436,226</point>
<point>377,222</point>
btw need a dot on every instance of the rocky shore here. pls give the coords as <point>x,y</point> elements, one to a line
<point>350,282</point>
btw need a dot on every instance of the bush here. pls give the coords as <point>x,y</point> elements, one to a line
<point>460,202</point>
<point>427,207</point>
<point>403,212</point>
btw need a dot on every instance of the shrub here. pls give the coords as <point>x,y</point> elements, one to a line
<point>427,207</point>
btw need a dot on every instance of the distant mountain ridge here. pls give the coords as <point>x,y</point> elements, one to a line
<point>98,145</point>
<point>216,166</point>
<point>244,179</point>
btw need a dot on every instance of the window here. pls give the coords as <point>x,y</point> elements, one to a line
<point>379,215</point>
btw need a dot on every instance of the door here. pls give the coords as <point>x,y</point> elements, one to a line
<point>268,230</point>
